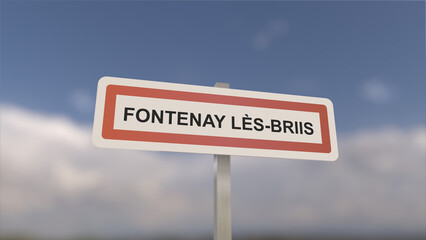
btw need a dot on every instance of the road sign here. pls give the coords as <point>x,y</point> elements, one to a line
<point>149,115</point>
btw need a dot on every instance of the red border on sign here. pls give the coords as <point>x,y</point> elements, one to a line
<point>108,131</point>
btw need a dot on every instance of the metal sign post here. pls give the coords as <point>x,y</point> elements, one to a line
<point>222,193</point>
<point>159,116</point>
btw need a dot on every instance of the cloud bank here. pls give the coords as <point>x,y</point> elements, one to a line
<point>54,183</point>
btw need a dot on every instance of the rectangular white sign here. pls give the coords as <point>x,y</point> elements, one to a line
<point>148,115</point>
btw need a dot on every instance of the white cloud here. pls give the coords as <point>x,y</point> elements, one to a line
<point>81,101</point>
<point>54,182</point>
<point>272,31</point>
<point>377,91</point>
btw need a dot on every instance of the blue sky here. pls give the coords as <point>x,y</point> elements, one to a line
<point>53,52</point>
<point>367,57</point>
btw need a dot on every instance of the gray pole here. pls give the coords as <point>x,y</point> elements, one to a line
<point>222,193</point>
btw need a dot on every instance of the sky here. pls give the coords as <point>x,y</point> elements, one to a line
<point>367,57</point>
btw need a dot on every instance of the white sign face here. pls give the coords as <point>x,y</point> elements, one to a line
<point>148,115</point>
